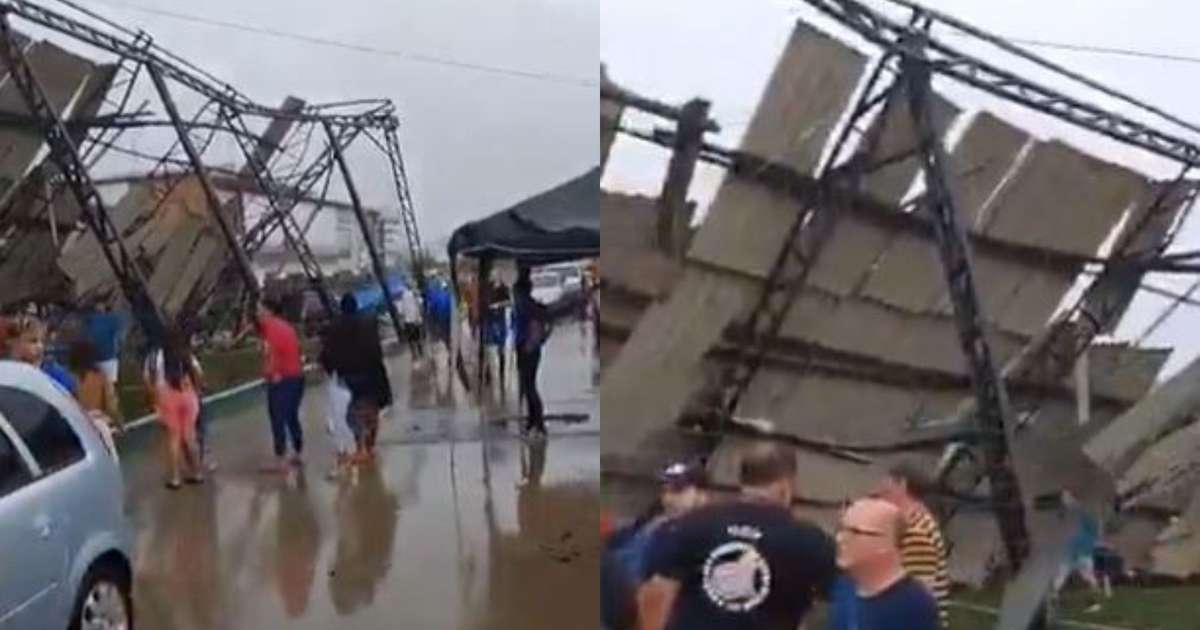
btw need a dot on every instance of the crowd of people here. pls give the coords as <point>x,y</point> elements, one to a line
<point>701,560</point>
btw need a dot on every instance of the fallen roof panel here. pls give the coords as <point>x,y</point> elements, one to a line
<point>804,99</point>
<point>890,182</point>
<point>1063,199</point>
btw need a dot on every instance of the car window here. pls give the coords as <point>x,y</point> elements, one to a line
<point>13,473</point>
<point>48,435</point>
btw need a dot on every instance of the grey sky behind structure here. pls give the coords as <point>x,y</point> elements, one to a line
<point>475,140</point>
<point>723,51</point>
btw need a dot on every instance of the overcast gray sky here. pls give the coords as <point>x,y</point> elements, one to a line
<point>724,51</point>
<point>474,141</point>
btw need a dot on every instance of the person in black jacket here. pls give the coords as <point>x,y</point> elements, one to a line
<point>353,351</point>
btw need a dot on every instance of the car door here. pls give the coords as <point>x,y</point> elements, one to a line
<point>38,522</point>
<point>30,563</point>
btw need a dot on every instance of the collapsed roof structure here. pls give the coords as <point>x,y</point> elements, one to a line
<point>890,272</point>
<point>175,243</point>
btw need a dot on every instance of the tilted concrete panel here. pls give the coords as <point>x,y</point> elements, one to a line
<point>746,227</point>
<point>849,411</point>
<point>980,160</point>
<point>847,260</point>
<point>804,98</point>
<point>660,367</point>
<point>628,220</point>
<point>1062,199</point>
<point>1125,371</point>
<point>209,251</point>
<point>909,275</point>
<point>803,101</point>
<point>876,330</point>
<point>889,183</point>
<point>1029,309</point>
<point>1117,445</point>
<point>1178,550</point>
<point>60,74</point>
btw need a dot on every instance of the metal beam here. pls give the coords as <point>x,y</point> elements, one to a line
<point>214,203</point>
<point>950,62</point>
<point>812,228</point>
<point>376,262</point>
<point>258,234</point>
<point>65,155</point>
<point>256,166</point>
<point>672,202</point>
<point>408,212</point>
<point>171,67</point>
<point>990,395</point>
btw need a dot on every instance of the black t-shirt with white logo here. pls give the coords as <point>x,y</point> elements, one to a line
<point>742,565</point>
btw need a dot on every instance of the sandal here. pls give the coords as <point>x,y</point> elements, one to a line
<point>173,485</point>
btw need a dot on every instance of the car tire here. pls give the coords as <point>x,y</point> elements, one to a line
<point>102,582</point>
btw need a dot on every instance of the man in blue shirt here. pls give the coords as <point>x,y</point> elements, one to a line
<point>104,329</point>
<point>878,595</point>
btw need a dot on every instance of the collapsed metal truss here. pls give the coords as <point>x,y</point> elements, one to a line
<point>77,144</point>
<point>912,57</point>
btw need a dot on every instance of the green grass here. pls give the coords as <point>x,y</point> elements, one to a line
<point>1167,608</point>
<point>1176,608</point>
<point>223,369</point>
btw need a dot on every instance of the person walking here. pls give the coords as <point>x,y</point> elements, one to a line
<point>359,363</point>
<point>172,375</point>
<point>284,373</point>
<point>742,564</point>
<point>410,311</point>
<point>883,596</point>
<point>1081,553</point>
<point>922,548</point>
<point>334,345</point>
<point>104,329</point>
<point>96,396</point>
<point>532,330</point>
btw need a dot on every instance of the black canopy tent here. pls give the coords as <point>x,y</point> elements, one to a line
<point>558,225</point>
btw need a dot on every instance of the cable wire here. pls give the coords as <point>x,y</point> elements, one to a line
<point>402,54</point>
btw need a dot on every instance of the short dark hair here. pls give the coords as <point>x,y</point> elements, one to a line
<point>765,463</point>
<point>918,483</point>
<point>273,304</point>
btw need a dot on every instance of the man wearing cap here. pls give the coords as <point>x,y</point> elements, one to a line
<point>744,564</point>
<point>624,564</point>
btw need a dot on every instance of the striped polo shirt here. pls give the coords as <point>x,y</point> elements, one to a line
<point>923,552</point>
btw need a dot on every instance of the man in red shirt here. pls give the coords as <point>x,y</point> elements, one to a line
<point>284,373</point>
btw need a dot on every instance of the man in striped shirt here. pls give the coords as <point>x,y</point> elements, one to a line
<point>922,548</point>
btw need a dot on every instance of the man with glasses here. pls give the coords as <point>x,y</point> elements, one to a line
<point>742,564</point>
<point>882,596</point>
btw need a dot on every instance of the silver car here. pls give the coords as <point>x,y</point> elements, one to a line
<point>65,542</point>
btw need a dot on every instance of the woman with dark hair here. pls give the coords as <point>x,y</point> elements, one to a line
<point>359,362</point>
<point>96,393</point>
<point>172,375</point>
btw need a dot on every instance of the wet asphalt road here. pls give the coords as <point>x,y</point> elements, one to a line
<point>458,525</point>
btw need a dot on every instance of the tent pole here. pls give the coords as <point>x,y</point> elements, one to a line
<point>481,272</point>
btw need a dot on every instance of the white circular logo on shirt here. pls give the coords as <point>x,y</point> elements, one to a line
<point>736,577</point>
